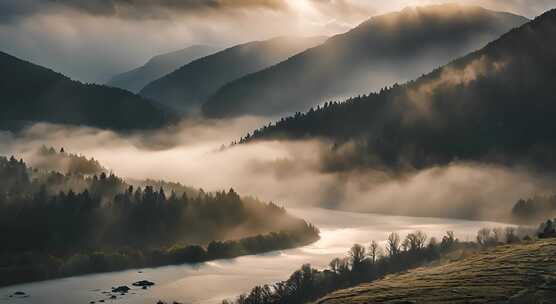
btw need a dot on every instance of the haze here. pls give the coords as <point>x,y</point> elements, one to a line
<point>93,40</point>
<point>291,173</point>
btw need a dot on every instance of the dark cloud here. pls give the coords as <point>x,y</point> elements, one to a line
<point>10,9</point>
<point>13,9</point>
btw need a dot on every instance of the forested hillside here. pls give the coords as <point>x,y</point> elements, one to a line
<point>188,87</point>
<point>159,66</point>
<point>31,93</point>
<point>59,224</point>
<point>390,48</point>
<point>495,104</point>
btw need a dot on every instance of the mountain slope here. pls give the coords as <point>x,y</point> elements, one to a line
<point>31,93</point>
<point>496,104</point>
<point>159,66</point>
<point>521,273</point>
<point>386,49</point>
<point>186,88</point>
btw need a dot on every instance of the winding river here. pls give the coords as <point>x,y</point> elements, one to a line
<point>214,281</point>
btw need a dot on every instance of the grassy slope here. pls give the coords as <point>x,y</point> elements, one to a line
<point>523,273</point>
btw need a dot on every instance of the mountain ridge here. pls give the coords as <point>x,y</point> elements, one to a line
<point>383,50</point>
<point>56,98</point>
<point>159,66</point>
<point>188,87</point>
<point>478,106</point>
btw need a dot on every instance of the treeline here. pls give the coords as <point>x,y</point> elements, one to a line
<point>110,225</point>
<point>533,209</point>
<point>17,180</point>
<point>48,159</point>
<point>494,115</point>
<point>547,229</point>
<point>372,262</point>
<point>30,266</point>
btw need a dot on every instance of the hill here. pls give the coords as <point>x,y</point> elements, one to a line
<point>494,104</point>
<point>159,66</point>
<point>189,86</point>
<point>390,48</point>
<point>520,273</point>
<point>31,93</point>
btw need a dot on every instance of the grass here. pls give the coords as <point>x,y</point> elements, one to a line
<point>520,273</point>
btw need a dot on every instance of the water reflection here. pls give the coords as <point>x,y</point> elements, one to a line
<point>216,280</point>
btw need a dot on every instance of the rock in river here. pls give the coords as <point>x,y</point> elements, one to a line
<point>143,283</point>
<point>121,289</point>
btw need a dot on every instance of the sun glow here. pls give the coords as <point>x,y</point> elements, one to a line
<point>303,8</point>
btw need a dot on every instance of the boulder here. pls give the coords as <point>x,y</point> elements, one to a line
<point>143,283</point>
<point>121,289</point>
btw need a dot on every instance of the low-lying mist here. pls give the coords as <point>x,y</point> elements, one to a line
<point>291,173</point>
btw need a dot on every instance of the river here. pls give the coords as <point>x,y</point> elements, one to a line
<point>211,282</point>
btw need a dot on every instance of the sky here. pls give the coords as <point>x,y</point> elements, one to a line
<point>93,40</point>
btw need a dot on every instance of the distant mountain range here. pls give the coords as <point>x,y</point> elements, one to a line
<point>498,103</point>
<point>188,87</point>
<point>159,66</point>
<point>386,49</point>
<point>31,93</point>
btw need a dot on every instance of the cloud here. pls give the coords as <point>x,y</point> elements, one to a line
<point>421,95</point>
<point>94,41</point>
<point>130,8</point>
<point>93,48</point>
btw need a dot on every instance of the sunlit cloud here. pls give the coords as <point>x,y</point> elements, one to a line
<point>94,40</point>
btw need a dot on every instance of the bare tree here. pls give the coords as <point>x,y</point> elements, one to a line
<point>415,241</point>
<point>448,240</point>
<point>421,239</point>
<point>357,255</point>
<point>405,245</point>
<point>374,251</point>
<point>343,267</point>
<point>335,265</point>
<point>393,244</point>
<point>484,237</point>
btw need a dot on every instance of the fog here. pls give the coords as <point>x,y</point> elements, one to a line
<point>420,96</point>
<point>291,173</point>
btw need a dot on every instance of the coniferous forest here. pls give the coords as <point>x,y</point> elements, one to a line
<point>59,224</point>
<point>493,105</point>
<point>277,151</point>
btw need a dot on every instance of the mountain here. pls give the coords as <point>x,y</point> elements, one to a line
<point>189,86</point>
<point>506,274</point>
<point>31,93</point>
<point>386,49</point>
<point>159,66</point>
<point>496,104</point>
